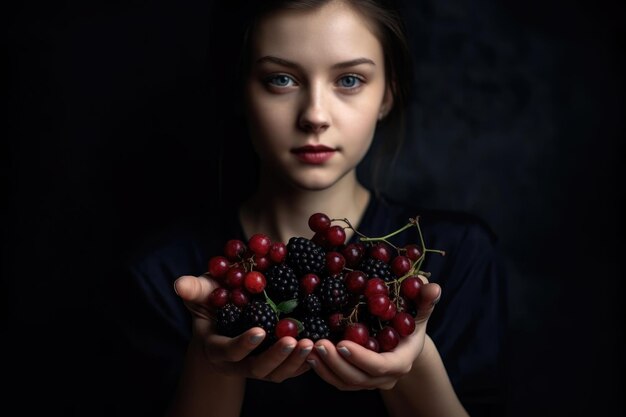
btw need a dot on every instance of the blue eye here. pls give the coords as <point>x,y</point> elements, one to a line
<point>281,81</point>
<point>350,81</point>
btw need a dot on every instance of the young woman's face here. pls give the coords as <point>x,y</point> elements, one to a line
<point>315,91</point>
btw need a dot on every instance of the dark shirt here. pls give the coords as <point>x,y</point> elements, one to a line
<point>467,325</point>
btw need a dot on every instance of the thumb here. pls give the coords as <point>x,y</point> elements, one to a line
<point>429,296</point>
<point>194,289</point>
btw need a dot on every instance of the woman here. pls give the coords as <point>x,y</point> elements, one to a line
<point>318,79</point>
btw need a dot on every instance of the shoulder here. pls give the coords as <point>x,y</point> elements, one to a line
<point>437,224</point>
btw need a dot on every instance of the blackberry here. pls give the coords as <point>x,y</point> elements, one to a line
<point>258,313</point>
<point>375,267</point>
<point>334,293</point>
<point>229,320</point>
<point>310,305</point>
<point>305,256</point>
<point>315,328</point>
<point>282,283</point>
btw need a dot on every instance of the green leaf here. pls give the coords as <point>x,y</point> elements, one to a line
<point>287,306</point>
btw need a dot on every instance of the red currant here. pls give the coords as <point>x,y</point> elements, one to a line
<point>239,297</point>
<point>286,327</point>
<point>335,262</point>
<point>278,252</point>
<point>219,297</point>
<point>218,266</point>
<point>234,277</point>
<point>380,251</point>
<point>261,263</point>
<point>413,252</point>
<point>357,333</point>
<point>335,235</point>
<point>411,287</point>
<point>336,322</point>
<point>400,265</point>
<point>309,282</point>
<point>254,282</point>
<point>318,222</point>
<point>388,338</point>
<point>372,344</point>
<point>355,281</point>
<point>259,244</point>
<point>375,285</point>
<point>234,249</point>
<point>378,304</point>
<point>404,323</point>
<point>390,313</point>
<point>353,253</point>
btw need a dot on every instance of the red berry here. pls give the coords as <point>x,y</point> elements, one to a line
<point>261,263</point>
<point>218,266</point>
<point>380,251</point>
<point>259,244</point>
<point>319,238</point>
<point>278,252</point>
<point>234,249</point>
<point>357,333</point>
<point>309,282</point>
<point>411,287</point>
<point>335,235</point>
<point>318,222</point>
<point>372,344</point>
<point>336,322</point>
<point>388,338</point>
<point>375,285</point>
<point>353,253</point>
<point>355,281</point>
<point>234,277</point>
<point>219,297</point>
<point>335,262</point>
<point>390,313</point>
<point>378,304</point>
<point>286,327</point>
<point>404,323</point>
<point>413,252</point>
<point>254,282</point>
<point>239,297</point>
<point>400,265</point>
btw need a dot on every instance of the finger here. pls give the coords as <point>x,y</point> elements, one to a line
<point>295,364</point>
<point>234,349</point>
<point>395,363</point>
<point>428,298</point>
<point>194,289</point>
<point>344,373</point>
<point>267,362</point>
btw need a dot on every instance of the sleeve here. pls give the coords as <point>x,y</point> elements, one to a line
<point>469,323</point>
<point>153,328</point>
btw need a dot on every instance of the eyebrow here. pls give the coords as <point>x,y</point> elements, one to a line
<point>344,64</point>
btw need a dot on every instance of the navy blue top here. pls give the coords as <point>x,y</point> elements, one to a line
<point>467,325</point>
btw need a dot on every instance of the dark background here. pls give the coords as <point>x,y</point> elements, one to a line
<point>518,118</point>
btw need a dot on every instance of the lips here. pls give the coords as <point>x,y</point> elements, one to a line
<point>313,154</point>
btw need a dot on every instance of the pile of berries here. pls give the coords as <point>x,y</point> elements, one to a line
<point>320,288</point>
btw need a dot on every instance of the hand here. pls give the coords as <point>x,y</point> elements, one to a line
<point>231,356</point>
<point>350,366</point>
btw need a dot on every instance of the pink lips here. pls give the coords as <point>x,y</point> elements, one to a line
<point>314,155</point>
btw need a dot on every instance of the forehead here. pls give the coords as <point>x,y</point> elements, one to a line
<point>333,32</point>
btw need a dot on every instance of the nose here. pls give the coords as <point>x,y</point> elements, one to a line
<point>314,116</point>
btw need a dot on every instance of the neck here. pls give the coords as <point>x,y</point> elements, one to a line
<point>283,212</point>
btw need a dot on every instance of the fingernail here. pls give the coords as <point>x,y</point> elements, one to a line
<point>175,290</point>
<point>312,363</point>
<point>436,300</point>
<point>322,350</point>
<point>288,348</point>
<point>305,351</point>
<point>344,351</point>
<point>256,338</point>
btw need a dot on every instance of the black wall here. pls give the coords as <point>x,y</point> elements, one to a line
<point>518,117</point>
